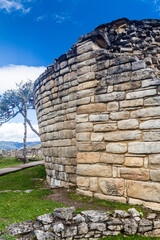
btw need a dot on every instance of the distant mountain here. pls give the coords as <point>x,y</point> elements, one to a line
<point>6,145</point>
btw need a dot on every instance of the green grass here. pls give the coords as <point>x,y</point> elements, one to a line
<point>21,206</point>
<point>110,205</point>
<point>9,162</point>
<point>122,237</point>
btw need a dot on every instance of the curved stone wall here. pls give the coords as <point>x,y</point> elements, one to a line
<point>98,112</point>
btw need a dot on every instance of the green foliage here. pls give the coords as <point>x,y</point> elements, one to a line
<point>16,101</point>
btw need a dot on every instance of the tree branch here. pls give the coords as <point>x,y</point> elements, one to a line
<point>29,123</point>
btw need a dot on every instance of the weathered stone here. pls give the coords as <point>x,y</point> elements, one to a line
<point>154,233</point>
<point>144,147</point>
<point>83,137</point>
<point>121,214</point>
<point>82,181</point>
<point>146,112</point>
<point>154,161</point>
<point>130,226</point>
<point>46,218</point>
<point>91,108</point>
<point>112,106</point>
<point>20,228</point>
<point>128,124</point>
<point>133,212</point>
<point>58,227</point>
<point>41,235</point>
<point>141,94</point>
<point>127,86</point>
<point>93,184</point>
<point>111,186</point>
<point>85,85</point>
<point>69,231</point>
<point>144,226</point>
<point>97,137</point>
<point>112,158</point>
<point>110,198</point>
<point>82,118</point>
<point>79,218</point>
<point>98,118</point>
<point>82,228</point>
<point>153,101</point>
<point>138,65</point>
<point>122,136</point>
<point>116,147</point>
<point>156,224</point>
<point>134,174</point>
<point>84,127</point>
<point>95,216</point>
<point>142,74</point>
<point>133,162</point>
<point>144,190</point>
<point>86,77</point>
<point>94,170</point>
<point>131,103</point>
<point>108,127</point>
<point>151,136</point>
<point>150,124</point>
<point>64,213</point>
<point>97,226</point>
<point>155,175</point>
<point>110,97</point>
<point>120,115</point>
<point>91,157</point>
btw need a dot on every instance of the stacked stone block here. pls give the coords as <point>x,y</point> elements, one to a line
<point>98,112</point>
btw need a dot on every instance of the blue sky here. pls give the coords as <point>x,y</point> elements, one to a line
<point>35,32</point>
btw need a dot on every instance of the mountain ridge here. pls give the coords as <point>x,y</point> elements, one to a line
<point>9,145</point>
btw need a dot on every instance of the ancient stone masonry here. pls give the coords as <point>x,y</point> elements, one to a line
<point>99,115</point>
<point>64,224</point>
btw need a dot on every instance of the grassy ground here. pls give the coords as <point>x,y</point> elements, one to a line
<point>9,162</point>
<point>20,206</point>
<point>122,237</point>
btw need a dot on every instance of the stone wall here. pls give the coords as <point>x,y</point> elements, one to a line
<point>98,112</point>
<point>18,153</point>
<point>64,224</point>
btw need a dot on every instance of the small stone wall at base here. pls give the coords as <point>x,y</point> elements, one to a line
<point>92,224</point>
<point>18,153</point>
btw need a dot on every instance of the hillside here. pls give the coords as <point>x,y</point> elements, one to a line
<point>8,145</point>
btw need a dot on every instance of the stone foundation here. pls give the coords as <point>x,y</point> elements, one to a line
<point>99,115</point>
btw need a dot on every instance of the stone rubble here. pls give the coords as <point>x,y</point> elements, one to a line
<point>90,224</point>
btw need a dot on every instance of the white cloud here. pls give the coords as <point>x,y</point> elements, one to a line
<point>14,5</point>
<point>12,74</point>
<point>41,18</point>
<point>63,17</point>
<point>14,132</point>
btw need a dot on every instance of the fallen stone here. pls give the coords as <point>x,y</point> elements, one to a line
<point>20,228</point>
<point>46,218</point>
<point>41,235</point>
<point>64,213</point>
<point>95,216</point>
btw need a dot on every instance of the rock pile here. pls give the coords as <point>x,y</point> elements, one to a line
<point>64,224</point>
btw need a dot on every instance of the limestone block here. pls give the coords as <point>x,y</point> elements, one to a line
<point>112,158</point>
<point>152,205</point>
<point>83,101</point>
<point>122,136</point>
<point>116,147</point>
<point>118,78</point>
<point>134,174</point>
<point>150,124</point>
<point>144,147</point>
<point>141,94</point>
<point>128,124</point>
<point>82,228</point>
<point>110,198</point>
<point>119,69</point>
<point>133,161</point>
<point>110,97</point>
<point>86,77</point>
<point>70,169</point>
<point>85,85</point>
<point>154,233</point>
<point>83,192</point>
<point>94,170</point>
<point>84,127</point>
<point>144,190</point>
<point>83,137</point>
<point>82,118</point>
<point>98,117</point>
<point>91,108</point>
<point>89,147</point>
<point>88,157</point>
<point>97,137</point>
<point>65,134</point>
<point>154,161</point>
<point>141,74</point>
<point>146,112</point>
<point>83,70</point>
<point>154,101</point>
<point>86,47</point>
<point>131,103</point>
<point>85,93</point>
<point>110,186</point>
<point>120,115</point>
<point>105,127</point>
<point>112,106</point>
<point>88,62</point>
<point>138,65</point>
<point>93,184</point>
<point>151,136</point>
<point>155,175</point>
<point>127,86</point>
